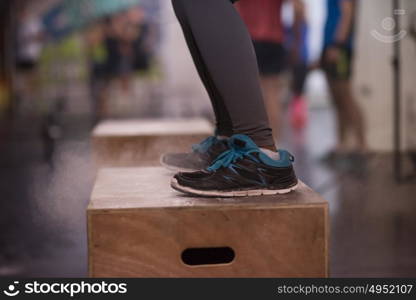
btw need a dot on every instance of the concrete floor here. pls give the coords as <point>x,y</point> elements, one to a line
<point>42,209</point>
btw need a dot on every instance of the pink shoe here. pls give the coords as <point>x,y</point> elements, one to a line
<point>299,112</point>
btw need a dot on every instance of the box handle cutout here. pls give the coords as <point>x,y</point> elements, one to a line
<point>207,256</point>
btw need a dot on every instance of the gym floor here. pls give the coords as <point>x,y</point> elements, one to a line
<point>42,208</point>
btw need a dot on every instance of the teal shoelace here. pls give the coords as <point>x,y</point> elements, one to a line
<point>229,157</point>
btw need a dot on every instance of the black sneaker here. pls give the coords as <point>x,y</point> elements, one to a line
<point>201,157</point>
<point>243,170</point>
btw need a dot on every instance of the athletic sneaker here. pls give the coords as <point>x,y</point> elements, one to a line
<point>243,170</point>
<point>201,157</point>
<point>299,112</point>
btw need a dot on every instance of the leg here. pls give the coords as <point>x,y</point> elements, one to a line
<point>342,120</point>
<point>299,72</point>
<point>223,122</point>
<point>223,53</point>
<point>271,91</point>
<point>353,114</point>
<point>298,105</point>
<point>350,118</point>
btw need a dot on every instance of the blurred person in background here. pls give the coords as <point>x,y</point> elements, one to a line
<point>337,56</point>
<point>242,158</point>
<point>29,44</point>
<point>123,31</point>
<point>117,48</point>
<point>97,60</point>
<point>299,68</point>
<point>264,21</point>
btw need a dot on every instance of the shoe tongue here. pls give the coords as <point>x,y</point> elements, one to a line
<point>242,142</point>
<point>219,147</point>
<point>239,143</point>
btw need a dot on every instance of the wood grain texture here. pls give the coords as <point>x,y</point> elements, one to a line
<point>138,227</point>
<point>142,142</point>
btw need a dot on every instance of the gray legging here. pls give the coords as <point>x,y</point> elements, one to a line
<point>224,57</point>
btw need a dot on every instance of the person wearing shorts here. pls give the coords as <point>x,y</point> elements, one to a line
<point>336,61</point>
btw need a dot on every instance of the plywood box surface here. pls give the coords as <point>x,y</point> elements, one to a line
<point>142,142</point>
<point>139,227</point>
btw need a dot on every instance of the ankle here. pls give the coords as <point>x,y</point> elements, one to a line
<point>271,148</point>
<point>273,154</point>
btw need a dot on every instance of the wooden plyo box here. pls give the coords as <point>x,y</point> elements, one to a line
<point>141,142</point>
<point>139,227</point>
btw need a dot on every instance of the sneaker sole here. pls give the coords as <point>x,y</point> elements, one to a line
<point>173,168</point>
<point>242,193</point>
